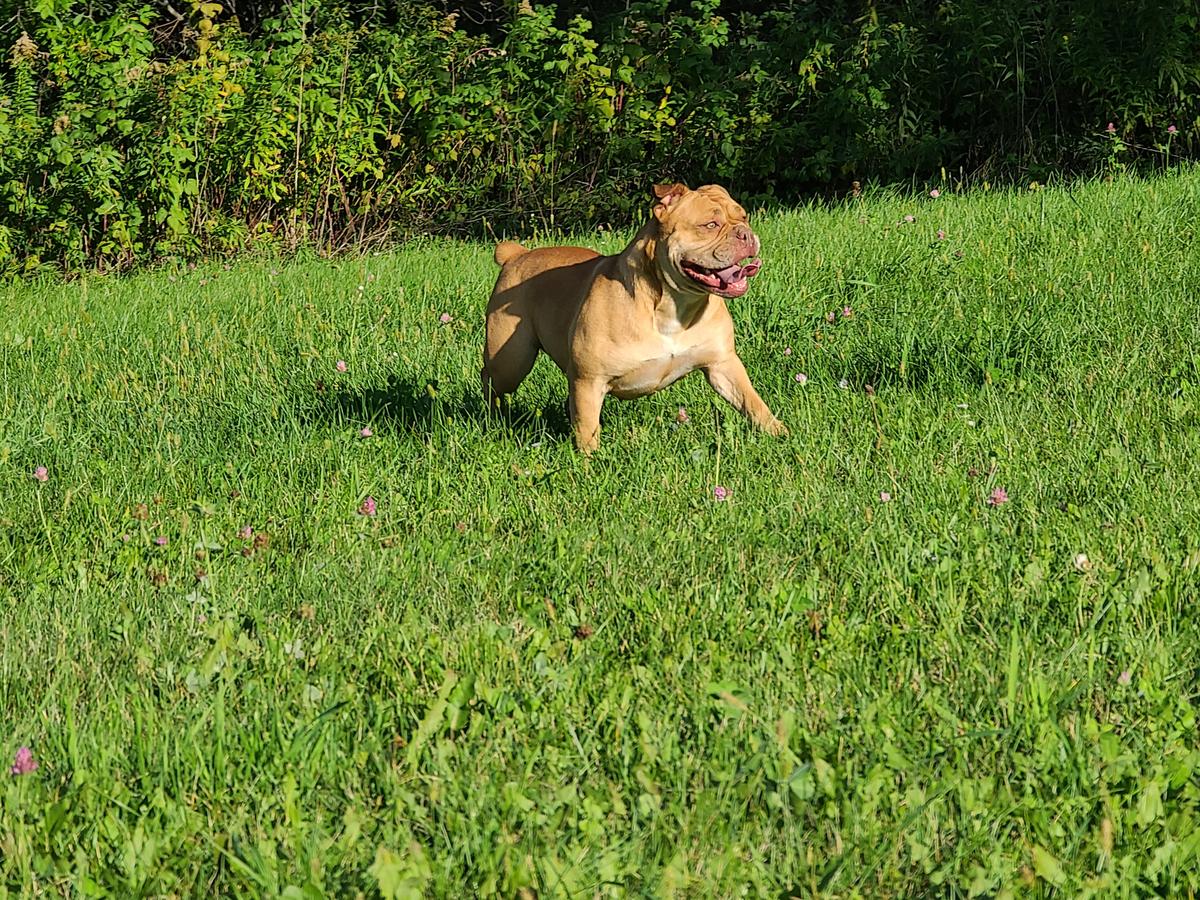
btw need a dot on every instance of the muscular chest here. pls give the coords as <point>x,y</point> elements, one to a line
<point>651,365</point>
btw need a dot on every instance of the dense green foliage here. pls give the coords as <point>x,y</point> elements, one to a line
<point>529,671</point>
<point>132,131</point>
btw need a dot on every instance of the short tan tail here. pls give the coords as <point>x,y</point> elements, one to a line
<point>506,251</point>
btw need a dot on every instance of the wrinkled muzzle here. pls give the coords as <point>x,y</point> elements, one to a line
<point>728,281</point>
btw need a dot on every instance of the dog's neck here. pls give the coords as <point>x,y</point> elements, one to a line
<point>671,303</point>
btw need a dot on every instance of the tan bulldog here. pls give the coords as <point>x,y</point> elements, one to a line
<point>630,324</point>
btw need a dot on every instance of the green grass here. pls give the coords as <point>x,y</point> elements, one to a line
<point>530,671</point>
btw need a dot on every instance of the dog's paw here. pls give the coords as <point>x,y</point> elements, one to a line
<point>775,427</point>
<point>587,446</point>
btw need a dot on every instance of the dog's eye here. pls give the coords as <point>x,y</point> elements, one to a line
<point>711,225</point>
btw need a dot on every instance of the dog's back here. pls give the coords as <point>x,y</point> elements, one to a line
<point>530,262</point>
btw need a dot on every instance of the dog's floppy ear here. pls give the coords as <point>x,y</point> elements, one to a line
<point>668,195</point>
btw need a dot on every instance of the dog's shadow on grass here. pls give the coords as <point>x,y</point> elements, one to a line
<point>423,406</point>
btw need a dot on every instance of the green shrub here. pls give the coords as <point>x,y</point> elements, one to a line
<point>127,134</point>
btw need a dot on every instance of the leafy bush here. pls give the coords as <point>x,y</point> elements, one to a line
<point>128,132</point>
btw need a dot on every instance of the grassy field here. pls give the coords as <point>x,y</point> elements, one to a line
<point>527,674</point>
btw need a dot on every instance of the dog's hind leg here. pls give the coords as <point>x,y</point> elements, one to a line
<point>509,352</point>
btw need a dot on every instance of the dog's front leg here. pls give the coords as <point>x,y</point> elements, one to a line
<point>729,379</point>
<point>585,397</point>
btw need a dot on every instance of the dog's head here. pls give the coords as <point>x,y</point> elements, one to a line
<point>705,243</point>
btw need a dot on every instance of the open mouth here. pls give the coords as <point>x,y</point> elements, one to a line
<point>730,281</point>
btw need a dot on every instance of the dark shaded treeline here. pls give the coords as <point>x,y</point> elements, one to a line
<point>129,130</point>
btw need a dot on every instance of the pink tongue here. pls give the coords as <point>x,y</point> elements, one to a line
<point>730,274</point>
